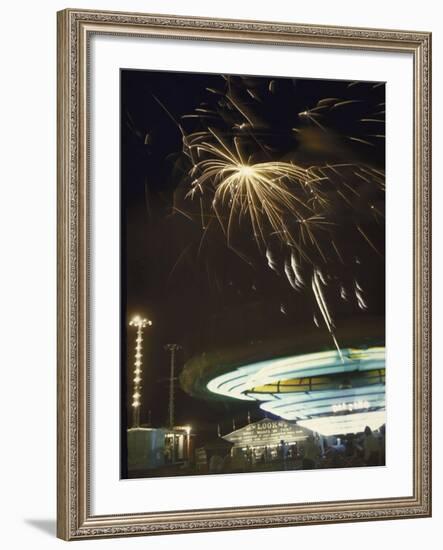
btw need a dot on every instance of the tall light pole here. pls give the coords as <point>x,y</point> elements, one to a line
<point>140,324</point>
<point>172,348</point>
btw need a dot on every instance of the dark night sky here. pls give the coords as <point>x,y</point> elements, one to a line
<point>201,294</point>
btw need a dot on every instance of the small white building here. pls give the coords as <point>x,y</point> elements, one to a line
<point>151,448</point>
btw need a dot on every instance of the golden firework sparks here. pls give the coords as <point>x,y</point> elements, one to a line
<point>273,195</point>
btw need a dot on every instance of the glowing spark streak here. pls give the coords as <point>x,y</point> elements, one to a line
<point>321,277</point>
<point>183,213</point>
<point>341,165</point>
<point>333,168</point>
<point>337,252</point>
<point>362,177</point>
<point>328,100</point>
<point>228,96</point>
<point>202,215</point>
<point>377,176</point>
<point>240,255</point>
<point>214,91</point>
<point>311,117</point>
<point>253,95</point>
<point>203,238</point>
<point>324,311</point>
<point>321,301</point>
<point>180,257</point>
<point>377,211</point>
<point>360,300</point>
<point>290,276</point>
<point>200,116</point>
<point>382,174</point>
<point>298,278</point>
<point>347,102</point>
<point>368,240</point>
<point>171,116</point>
<point>318,108</point>
<point>344,197</point>
<point>271,262</point>
<point>361,141</point>
<point>356,193</point>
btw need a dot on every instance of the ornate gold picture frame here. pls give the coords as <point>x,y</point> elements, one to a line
<point>75,518</point>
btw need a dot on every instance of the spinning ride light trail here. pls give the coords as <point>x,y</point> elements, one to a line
<point>317,390</point>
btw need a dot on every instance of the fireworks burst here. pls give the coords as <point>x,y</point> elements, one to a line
<point>273,196</point>
<point>293,209</point>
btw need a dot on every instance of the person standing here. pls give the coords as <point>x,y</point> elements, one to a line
<point>311,453</point>
<point>371,448</point>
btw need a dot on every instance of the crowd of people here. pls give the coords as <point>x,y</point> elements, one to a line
<point>352,450</point>
<point>366,449</point>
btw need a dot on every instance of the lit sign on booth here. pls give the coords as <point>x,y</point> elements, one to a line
<point>350,407</point>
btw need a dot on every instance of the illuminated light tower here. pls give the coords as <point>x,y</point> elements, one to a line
<point>140,324</point>
<point>172,348</point>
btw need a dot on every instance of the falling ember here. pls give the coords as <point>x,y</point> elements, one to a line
<point>297,275</point>
<point>359,296</point>
<point>360,300</point>
<point>322,306</point>
<point>271,262</point>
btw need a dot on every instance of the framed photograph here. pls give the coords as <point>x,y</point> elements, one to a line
<point>243,274</point>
